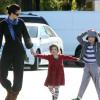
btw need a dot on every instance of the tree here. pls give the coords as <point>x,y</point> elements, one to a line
<point>81,4</point>
<point>37,5</point>
<point>69,4</point>
<point>4,4</point>
<point>26,5</point>
<point>73,5</point>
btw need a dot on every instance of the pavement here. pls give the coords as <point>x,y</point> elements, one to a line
<point>34,89</point>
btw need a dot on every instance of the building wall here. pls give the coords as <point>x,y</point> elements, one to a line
<point>97,5</point>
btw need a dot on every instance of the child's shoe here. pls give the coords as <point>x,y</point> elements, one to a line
<point>76,99</point>
<point>52,97</point>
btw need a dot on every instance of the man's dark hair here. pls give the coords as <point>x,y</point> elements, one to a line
<point>13,8</point>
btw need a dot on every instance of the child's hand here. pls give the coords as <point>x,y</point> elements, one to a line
<point>98,33</point>
<point>78,59</point>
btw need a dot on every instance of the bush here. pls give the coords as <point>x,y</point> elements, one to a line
<point>4,4</point>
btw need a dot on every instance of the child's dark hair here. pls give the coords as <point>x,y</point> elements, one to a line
<point>53,45</point>
<point>96,39</point>
<point>13,8</point>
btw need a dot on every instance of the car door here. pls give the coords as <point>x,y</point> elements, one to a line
<point>44,40</point>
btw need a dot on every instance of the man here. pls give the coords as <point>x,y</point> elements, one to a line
<point>13,54</point>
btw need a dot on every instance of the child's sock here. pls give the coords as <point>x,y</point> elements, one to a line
<point>51,90</point>
<point>56,93</point>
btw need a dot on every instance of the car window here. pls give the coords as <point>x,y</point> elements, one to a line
<point>49,32</point>
<point>33,31</point>
<point>43,33</point>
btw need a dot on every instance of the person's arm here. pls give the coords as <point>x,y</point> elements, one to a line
<point>42,56</point>
<point>69,58</point>
<point>80,38</point>
<point>27,39</point>
<point>99,37</point>
<point>1,36</point>
<point>98,34</point>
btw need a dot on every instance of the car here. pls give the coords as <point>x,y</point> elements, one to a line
<point>28,18</point>
<point>42,36</point>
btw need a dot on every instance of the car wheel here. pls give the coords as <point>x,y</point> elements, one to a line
<point>37,61</point>
<point>77,54</point>
<point>61,51</point>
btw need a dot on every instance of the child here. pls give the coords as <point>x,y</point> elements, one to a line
<point>90,55</point>
<point>55,77</point>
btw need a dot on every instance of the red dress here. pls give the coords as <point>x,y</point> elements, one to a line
<point>55,75</point>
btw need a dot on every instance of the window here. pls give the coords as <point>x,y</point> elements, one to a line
<point>43,33</point>
<point>33,31</point>
<point>49,32</point>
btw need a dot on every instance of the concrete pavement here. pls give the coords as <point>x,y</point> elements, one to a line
<point>34,89</point>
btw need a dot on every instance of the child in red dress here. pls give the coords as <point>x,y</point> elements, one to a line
<point>55,77</point>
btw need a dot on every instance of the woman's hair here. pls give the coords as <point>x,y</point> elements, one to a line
<point>96,39</point>
<point>13,8</point>
<point>53,45</point>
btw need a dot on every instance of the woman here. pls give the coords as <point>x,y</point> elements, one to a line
<point>13,54</point>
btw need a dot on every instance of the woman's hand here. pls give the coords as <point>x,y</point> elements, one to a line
<point>32,51</point>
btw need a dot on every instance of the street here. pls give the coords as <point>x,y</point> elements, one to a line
<point>34,89</point>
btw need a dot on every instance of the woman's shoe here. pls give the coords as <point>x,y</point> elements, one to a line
<point>14,95</point>
<point>9,95</point>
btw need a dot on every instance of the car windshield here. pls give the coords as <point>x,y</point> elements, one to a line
<point>33,31</point>
<point>34,20</point>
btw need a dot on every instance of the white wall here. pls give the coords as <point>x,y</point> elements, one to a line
<point>97,5</point>
<point>69,24</point>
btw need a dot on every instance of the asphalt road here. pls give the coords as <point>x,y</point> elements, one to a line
<point>34,89</point>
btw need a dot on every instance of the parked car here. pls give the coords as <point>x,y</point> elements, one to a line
<point>28,18</point>
<point>42,37</point>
